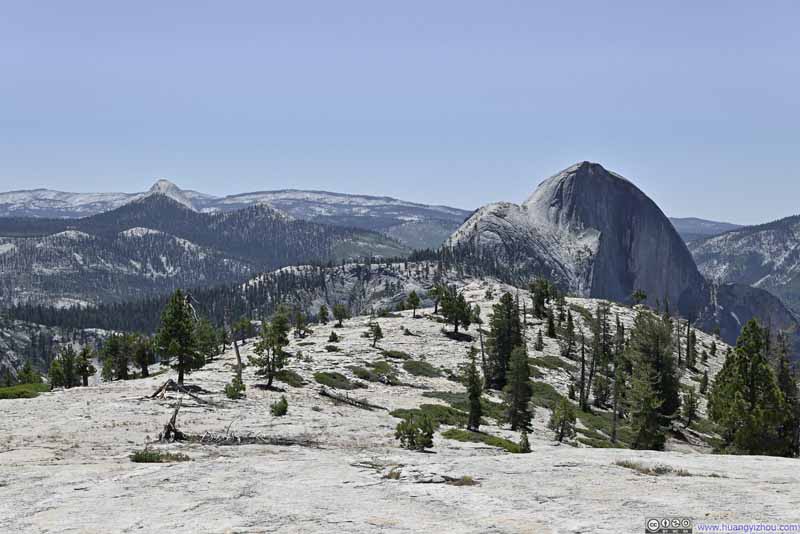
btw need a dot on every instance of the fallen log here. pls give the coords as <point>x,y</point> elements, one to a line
<point>358,403</point>
<point>171,385</point>
<point>250,439</point>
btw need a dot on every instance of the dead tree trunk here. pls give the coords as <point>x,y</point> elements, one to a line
<point>171,432</point>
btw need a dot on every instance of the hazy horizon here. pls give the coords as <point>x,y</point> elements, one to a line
<point>457,103</point>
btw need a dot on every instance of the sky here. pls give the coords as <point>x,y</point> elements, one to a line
<point>448,102</point>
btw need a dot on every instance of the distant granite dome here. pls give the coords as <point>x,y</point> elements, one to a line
<point>594,232</point>
<point>169,189</point>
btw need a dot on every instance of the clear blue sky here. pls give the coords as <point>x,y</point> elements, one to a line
<point>452,102</point>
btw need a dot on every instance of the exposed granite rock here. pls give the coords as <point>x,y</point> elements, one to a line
<point>597,235</point>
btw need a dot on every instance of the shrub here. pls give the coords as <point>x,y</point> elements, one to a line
<point>332,348</point>
<point>289,377</point>
<point>469,436</point>
<point>460,401</point>
<point>150,456</point>
<point>418,368</point>
<point>279,409</point>
<point>333,338</point>
<point>396,354</point>
<point>336,380</point>
<point>235,389</point>
<point>23,391</point>
<point>545,395</point>
<point>415,433</point>
<point>436,413</point>
<point>384,374</point>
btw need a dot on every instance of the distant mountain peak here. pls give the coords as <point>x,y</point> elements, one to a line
<point>169,189</point>
<point>163,185</point>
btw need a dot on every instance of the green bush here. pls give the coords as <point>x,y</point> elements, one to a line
<point>234,390</point>
<point>396,354</point>
<point>336,380</point>
<point>545,395</point>
<point>332,348</point>
<point>279,409</point>
<point>23,391</point>
<point>382,375</point>
<point>415,433</point>
<point>290,378</point>
<point>469,436</point>
<point>436,413</point>
<point>150,456</point>
<point>418,368</point>
<point>460,401</point>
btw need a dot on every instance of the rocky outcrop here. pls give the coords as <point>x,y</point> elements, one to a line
<point>593,232</point>
<point>597,235</point>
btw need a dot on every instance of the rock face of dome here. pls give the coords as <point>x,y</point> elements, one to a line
<point>595,233</point>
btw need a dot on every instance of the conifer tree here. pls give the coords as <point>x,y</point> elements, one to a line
<point>568,343</point>
<point>518,390</point>
<point>690,406</point>
<point>376,333</point>
<point>413,303</point>
<point>84,365</point>
<point>143,355</point>
<point>340,313</point>
<point>473,381</point>
<point>745,401</point>
<point>206,342</point>
<point>538,345</point>
<point>704,383</point>
<point>269,354</point>
<point>323,314</point>
<point>455,309</point>
<point>645,407</point>
<point>505,334</point>
<point>691,351</point>
<point>175,336</point>
<point>651,342</point>
<point>551,326</point>
<point>562,420</point>
<point>27,375</point>
<point>789,428</point>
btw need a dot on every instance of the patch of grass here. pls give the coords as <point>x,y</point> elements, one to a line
<point>655,470</point>
<point>332,348</point>
<point>603,422</point>
<point>290,378</point>
<point>418,368</point>
<point>458,434</point>
<point>23,391</point>
<point>382,366</point>
<point>396,354</point>
<point>438,414</point>
<point>373,375</point>
<point>151,456</point>
<point>336,381</point>
<point>549,361</point>
<point>460,401</point>
<point>596,443</point>
<point>545,395</point>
